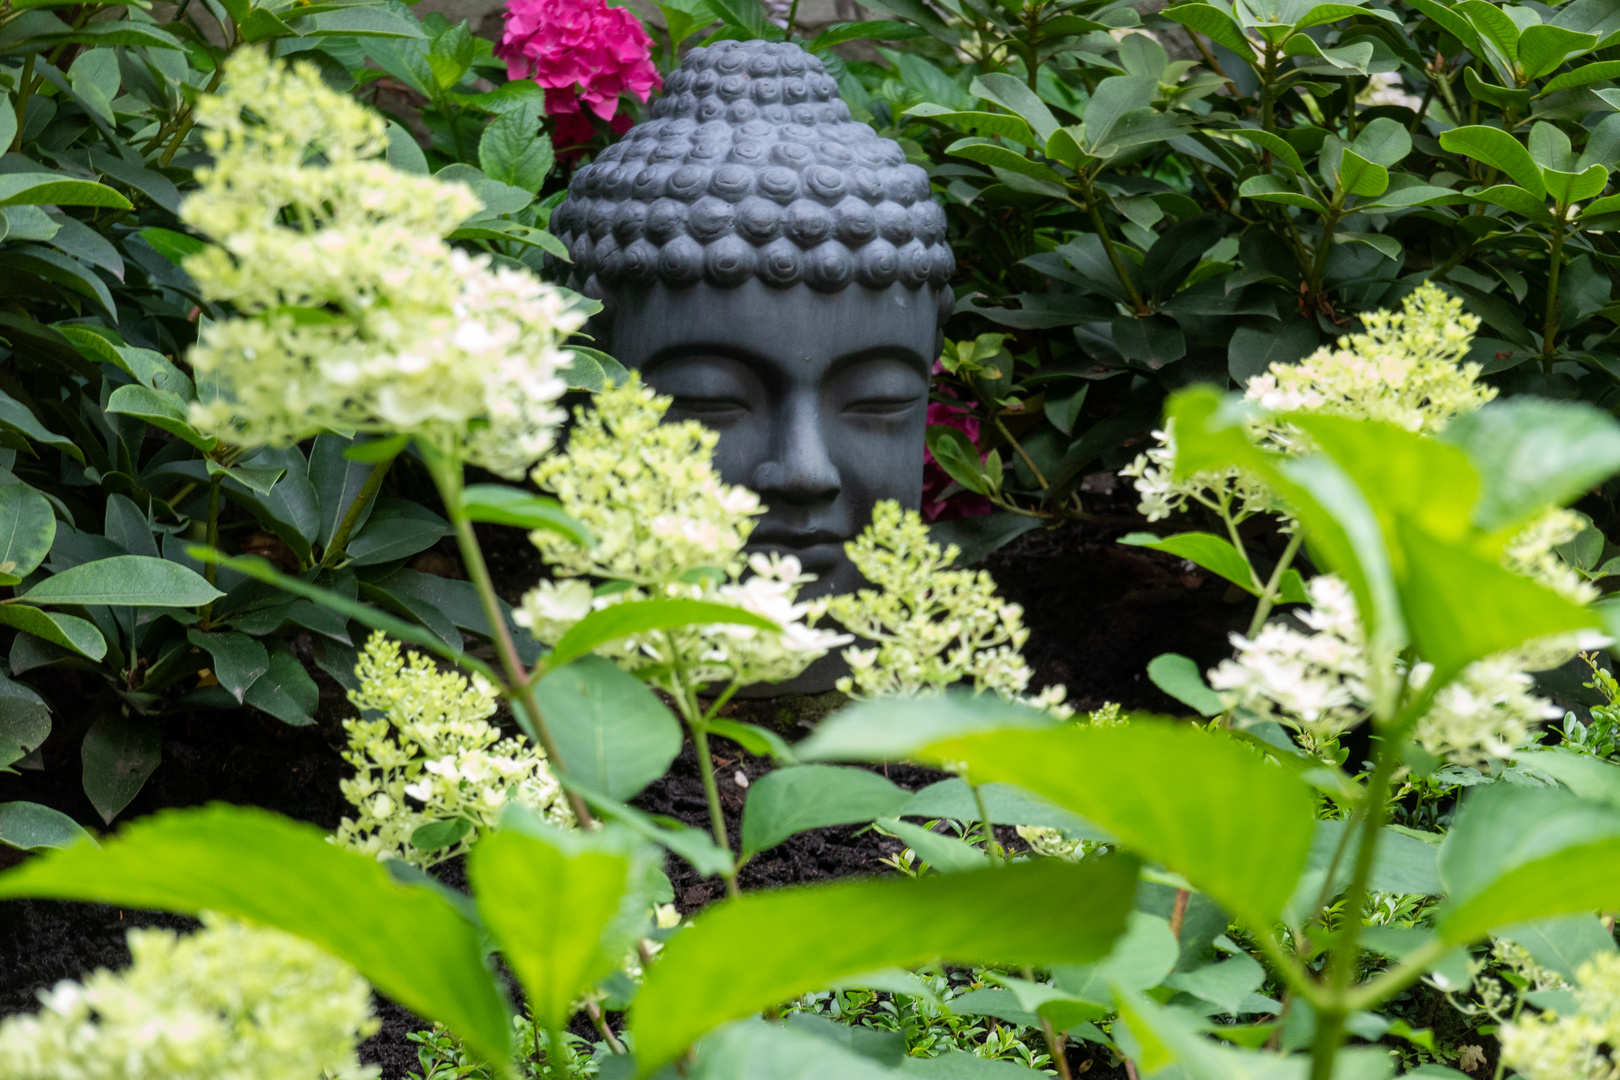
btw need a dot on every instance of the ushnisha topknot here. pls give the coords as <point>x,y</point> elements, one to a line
<point>751,167</point>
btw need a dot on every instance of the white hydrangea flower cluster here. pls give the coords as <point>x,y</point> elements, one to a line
<point>433,756</point>
<point>668,528</point>
<point>1317,684</point>
<point>1405,369</point>
<point>1533,552</point>
<point>931,626</point>
<point>230,1002</point>
<point>1548,1046</point>
<point>356,314</point>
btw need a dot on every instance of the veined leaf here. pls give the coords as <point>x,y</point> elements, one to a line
<point>642,616</point>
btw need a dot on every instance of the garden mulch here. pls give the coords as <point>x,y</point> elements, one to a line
<point>1097,612</point>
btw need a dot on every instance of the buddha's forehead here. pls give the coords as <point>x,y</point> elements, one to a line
<point>782,327</point>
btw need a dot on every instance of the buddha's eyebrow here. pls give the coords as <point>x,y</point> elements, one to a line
<point>694,350</point>
<point>905,354</point>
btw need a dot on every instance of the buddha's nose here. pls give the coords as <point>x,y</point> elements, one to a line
<point>800,468</point>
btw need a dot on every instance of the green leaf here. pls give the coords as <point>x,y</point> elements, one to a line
<point>1005,125</point>
<point>1172,793</point>
<point>161,411</point>
<point>1358,176</point>
<point>1254,349</point>
<point>27,529</point>
<point>1006,804</point>
<point>405,153</point>
<point>992,153</point>
<point>285,691</point>
<point>547,910</point>
<point>237,660</point>
<point>1533,452</point>
<point>745,15</point>
<point>1543,48</point>
<point>25,722</point>
<point>31,827</point>
<point>118,754</point>
<point>1275,145</point>
<point>1138,961</point>
<point>438,835</point>
<point>407,942</point>
<point>47,189</point>
<point>1383,142</point>
<point>1518,200</point>
<point>514,151</point>
<point>125,581</point>
<point>1205,549</point>
<point>15,415</point>
<point>1268,188</point>
<point>887,729</point>
<point>502,505</point>
<point>397,529</point>
<point>759,741</point>
<point>1563,943</point>
<point>1179,677</point>
<point>956,454</point>
<point>789,801</point>
<point>748,954</point>
<point>1592,778</point>
<point>879,29</point>
<point>694,845</point>
<point>1573,187</point>
<point>946,854</point>
<point>1515,854</point>
<point>612,733</point>
<point>1602,71</point>
<point>1226,984</point>
<point>1497,149</point>
<point>68,631</point>
<point>1215,24</point>
<point>1014,95</point>
<point>642,616</point>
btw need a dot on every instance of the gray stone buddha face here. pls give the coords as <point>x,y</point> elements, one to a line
<point>780,272</point>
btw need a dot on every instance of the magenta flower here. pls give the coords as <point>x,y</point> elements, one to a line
<point>578,50</point>
<point>935,479</point>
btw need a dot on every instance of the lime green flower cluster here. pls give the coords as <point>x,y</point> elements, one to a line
<point>1405,369</point>
<point>930,626</point>
<point>230,1002</point>
<point>432,761</point>
<point>356,314</point>
<point>666,527</point>
<point>1578,1046</point>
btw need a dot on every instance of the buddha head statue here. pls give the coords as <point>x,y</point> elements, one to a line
<point>782,273</point>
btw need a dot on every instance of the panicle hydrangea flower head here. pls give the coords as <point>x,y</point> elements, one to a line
<point>667,527</point>
<point>230,1001</point>
<point>930,626</point>
<point>1318,684</point>
<point>581,51</point>
<point>1405,369</point>
<point>431,755</point>
<point>1580,1046</point>
<point>355,313</point>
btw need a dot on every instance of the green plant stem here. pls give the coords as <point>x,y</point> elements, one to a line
<point>1273,589</point>
<point>1287,964</point>
<point>351,516</point>
<point>1393,980</point>
<point>985,828</point>
<point>711,791</point>
<point>792,18</point>
<point>1319,263</point>
<point>1016,445</point>
<point>1549,330</point>
<point>559,1058</point>
<point>1054,1041</point>
<point>1268,95</point>
<point>595,1012</point>
<point>520,682</point>
<point>1224,508</point>
<point>25,89</point>
<point>1097,223</point>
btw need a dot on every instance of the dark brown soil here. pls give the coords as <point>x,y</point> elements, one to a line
<point>1098,612</point>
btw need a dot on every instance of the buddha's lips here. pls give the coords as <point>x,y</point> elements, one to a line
<point>795,539</point>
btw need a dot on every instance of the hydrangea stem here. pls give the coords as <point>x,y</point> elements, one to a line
<point>694,717</point>
<point>446,474</point>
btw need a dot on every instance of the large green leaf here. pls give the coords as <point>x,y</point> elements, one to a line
<point>641,616</point>
<point>119,754</point>
<point>161,411</point>
<point>1184,797</point>
<point>1496,148</point>
<point>47,189</point>
<point>236,659</point>
<point>748,954</point>
<point>1583,877</point>
<point>789,801</point>
<point>125,581</point>
<point>613,734</point>
<point>251,864</point>
<point>27,528</point>
<point>889,728</point>
<point>1014,95</point>
<point>1563,943</point>
<point>1206,549</point>
<point>547,909</point>
<point>502,505</point>
<point>1533,452</point>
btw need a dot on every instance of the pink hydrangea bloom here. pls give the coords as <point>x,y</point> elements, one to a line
<point>936,480</point>
<point>579,51</point>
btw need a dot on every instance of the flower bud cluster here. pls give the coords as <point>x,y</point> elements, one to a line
<point>354,313</point>
<point>431,755</point>
<point>931,626</point>
<point>669,529</point>
<point>1579,1046</point>
<point>228,1001</point>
